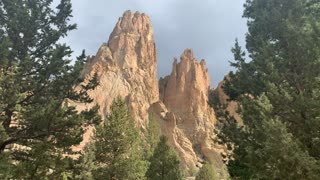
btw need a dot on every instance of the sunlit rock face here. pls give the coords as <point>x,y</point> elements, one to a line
<point>126,66</point>
<point>190,126</point>
<point>185,93</point>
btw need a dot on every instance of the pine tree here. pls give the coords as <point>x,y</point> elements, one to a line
<point>153,135</point>
<point>119,153</point>
<point>266,150</point>
<point>37,126</point>
<point>206,173</point>
<point>278,91</point>
<point>86,165</point>
<point>164,163</point>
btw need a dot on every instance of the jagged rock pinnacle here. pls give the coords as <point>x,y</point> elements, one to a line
<point>127,67</point>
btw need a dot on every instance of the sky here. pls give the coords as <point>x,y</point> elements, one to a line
<point>209,27</point>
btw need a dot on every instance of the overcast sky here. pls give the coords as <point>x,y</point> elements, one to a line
<point>209,27</point>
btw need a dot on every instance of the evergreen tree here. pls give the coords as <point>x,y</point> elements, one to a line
<point>153,135</point>
<point>119,152</point>
<point>206,173</point>
<point>164,163</point>
<point>265,149</point>
<point>86,165</point>
<point>278,91</point>
<point>37,126</point>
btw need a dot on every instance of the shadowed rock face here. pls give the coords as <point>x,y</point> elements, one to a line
<point>127,66</point>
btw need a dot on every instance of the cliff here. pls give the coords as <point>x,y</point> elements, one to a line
<point>189,121</point>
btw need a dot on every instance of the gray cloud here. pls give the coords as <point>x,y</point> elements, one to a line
<point>209,27</point>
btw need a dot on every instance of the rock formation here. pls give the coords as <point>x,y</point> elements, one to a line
<point>126,66</point>
<point>189,124</point>
<point>185,93</point>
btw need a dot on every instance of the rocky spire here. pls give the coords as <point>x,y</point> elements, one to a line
<point>188,120</point>
<point>132,44</point>
<point>185,92</point>
<point>126,67</point>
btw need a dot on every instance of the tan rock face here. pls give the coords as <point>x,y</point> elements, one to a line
<point>190,127</point>
<point>176,137</point>
<point>126,66</point>
<point>185,93</point>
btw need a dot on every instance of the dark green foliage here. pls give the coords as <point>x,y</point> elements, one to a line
<point>278,91</point>
<point>206,172</point>
<point>164,163</point>
<point>36,78</point>
<point>119,153</point>
<point>86,163</point>
<point>266,150</point>
<point>153,134</point>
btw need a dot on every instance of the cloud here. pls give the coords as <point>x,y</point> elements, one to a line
<point>209,27</point>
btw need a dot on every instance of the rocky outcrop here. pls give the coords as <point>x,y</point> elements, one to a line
<point>176,137</point>
<point>189,122</point>
<point>185,92</point>
<point>126,66</point>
